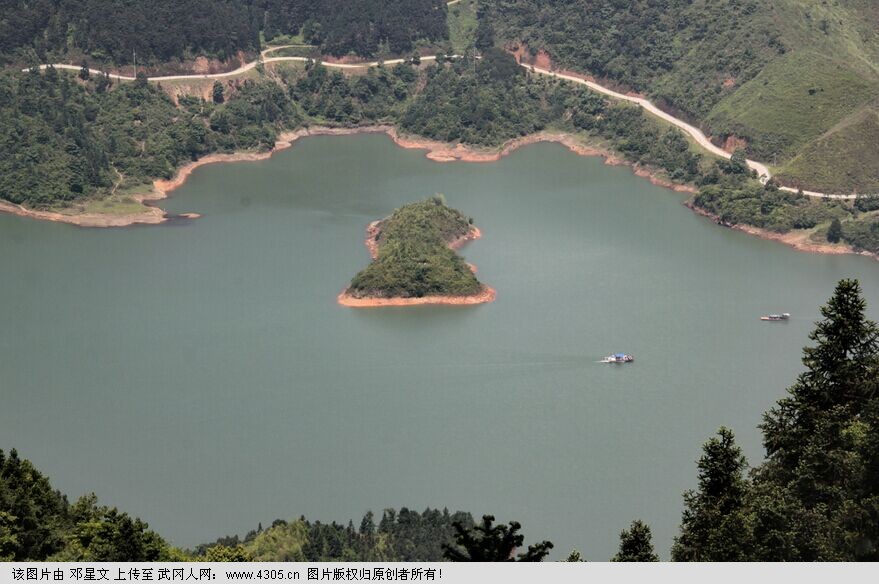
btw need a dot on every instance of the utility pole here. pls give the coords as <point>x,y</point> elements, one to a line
<point>135,64</point>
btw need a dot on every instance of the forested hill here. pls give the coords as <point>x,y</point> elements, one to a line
<point>364,27</point>
<point>113,30</point>
<point>160,31</point>
<point>794,81</point>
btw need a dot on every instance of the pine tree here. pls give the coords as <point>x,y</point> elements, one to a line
<point>815,497</point>
<point>636,544</point>
<point>217,92</point>
<point>834,233</point>
<point>738,163</point>
<point>367,525</point>
<point>839,380</point>
<point>714,526</point>
<point>493,543</point>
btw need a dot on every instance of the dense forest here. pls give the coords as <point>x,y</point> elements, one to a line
<point>38,523</point>
<point>814,498</point>
<point>161,31</point>
<point>404,535</point>
<point>113,30</point>
<point>414,259</point>
<point>365,28</point>
<point>67,139</point>
<point>641,42</point>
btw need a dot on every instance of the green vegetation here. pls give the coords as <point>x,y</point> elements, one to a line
<point>782,76</point>
<point>636,544</point>
<point>483,103</point>
<point>328,97</point>
<point>365,28</point>
<point>750,203</point>
<point>414,258</point>
<point>166,32</point>
<point>793,101</point>
<point>846,159</point>
<point>41,31</point>
<point>89,138</point>
<point>487,542</point>
<point>862,232</point>
<point>400,536</point>
<point>38,523</point>
<point>65,141</point>
<point>683,48</point>
<point>462,25</point>
<point>743,201</point>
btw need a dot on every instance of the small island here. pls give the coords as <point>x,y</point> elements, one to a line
<point>414,261</point>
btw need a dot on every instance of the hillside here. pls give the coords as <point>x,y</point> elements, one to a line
<point>113,31</point>
<point>164,33</point>
<point>846,157</point>
<point>773,76</point>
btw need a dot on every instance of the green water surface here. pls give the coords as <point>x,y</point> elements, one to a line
<point>200,374</point>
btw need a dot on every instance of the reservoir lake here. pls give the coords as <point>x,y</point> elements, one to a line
<point>200,374</point>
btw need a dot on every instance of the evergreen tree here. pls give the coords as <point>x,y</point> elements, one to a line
<point>484,30</point>
<point>33,516</point>
<point>815,498</point>
<point>738,164</point>
<point>636,544</point>
<point>217,92</point>
<point>714,525</point>
<point>367,525</point>
<point>84,72</point>
<point>834,233</point>
<point>840,379</point>
<point>493,543</point>
<point>103,83</point>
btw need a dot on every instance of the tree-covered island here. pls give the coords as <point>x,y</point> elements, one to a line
<point>414,261</point>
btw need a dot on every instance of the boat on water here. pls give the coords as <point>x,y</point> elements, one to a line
<point>618,358</point>
<point>773,317</point>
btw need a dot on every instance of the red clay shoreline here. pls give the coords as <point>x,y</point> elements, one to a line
<point>795,239</point>
<point>435,150</point>
<point>487,294</point>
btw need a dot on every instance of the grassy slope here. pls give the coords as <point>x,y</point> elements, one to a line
<point>794,100</point>
<point>825,140</point>
<point>845,158</point>
<point>462,25</point>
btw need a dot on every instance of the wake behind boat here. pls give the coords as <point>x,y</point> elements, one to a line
<point>774,317</point>
<point>618,358</point>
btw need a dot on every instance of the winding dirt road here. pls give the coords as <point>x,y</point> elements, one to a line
<point>762,170</point>
<point>694,132</point>
<point>243,69</point>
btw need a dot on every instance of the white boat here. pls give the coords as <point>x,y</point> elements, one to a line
<point>618,358</point>
<point>774,317</point>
